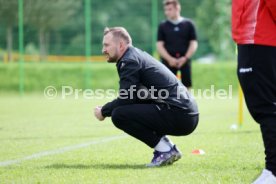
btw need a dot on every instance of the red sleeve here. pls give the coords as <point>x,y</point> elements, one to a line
<point>271,4</point>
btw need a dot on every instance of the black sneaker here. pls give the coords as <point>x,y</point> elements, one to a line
<point>163,158</point>
<point>176,152</point>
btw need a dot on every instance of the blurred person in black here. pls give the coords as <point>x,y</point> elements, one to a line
<point>177,41</point>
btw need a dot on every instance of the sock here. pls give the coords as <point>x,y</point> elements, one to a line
<point>167,140</point>
<point>162,146</point>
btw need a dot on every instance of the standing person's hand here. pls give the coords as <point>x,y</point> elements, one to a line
<point>98,113</point>
<point>181,61</point>
<point>173,63</point>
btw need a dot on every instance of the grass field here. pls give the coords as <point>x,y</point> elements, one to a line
<point>59,141</point>
<point>101,75</point>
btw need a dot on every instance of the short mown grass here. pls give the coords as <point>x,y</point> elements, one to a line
<point>33,124</point>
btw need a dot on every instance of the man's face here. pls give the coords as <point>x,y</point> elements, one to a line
<point>110,48</point>
<point>171,11</point>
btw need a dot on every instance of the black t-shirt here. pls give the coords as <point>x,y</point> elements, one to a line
<point>176,37</point>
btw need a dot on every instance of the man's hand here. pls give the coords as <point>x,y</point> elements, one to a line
<point>181,61</point>
<point>173,62</point>
<point>98,113</point>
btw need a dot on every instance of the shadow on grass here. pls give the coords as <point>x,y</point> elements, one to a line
<point>97,166</point>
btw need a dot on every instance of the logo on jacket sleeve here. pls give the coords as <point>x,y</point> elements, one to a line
<point>245,70</point>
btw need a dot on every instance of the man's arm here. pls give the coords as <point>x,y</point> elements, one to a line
<point>192,45</point>
<point>164,54</point>
<point>129,81</point>
<point>271,4</point>
<point>191,50</point>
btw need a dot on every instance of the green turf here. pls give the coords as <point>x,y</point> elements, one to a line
<point>33,124</point>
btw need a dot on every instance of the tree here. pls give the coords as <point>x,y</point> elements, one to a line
<point>8,15</point>
<point>213,18</point>
<point>49,15</point>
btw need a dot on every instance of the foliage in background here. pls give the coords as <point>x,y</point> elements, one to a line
<point>49,16</point>
<point>8,17</point>
<point>215,24</point>
<point>57,27</point>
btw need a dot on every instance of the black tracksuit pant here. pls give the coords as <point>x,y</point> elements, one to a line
<point>257,76</point>
<point>149,122</point>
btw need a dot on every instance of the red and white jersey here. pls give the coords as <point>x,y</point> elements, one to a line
<point>254,22</point>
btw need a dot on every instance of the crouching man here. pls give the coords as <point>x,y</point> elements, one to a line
<point>168,108</point>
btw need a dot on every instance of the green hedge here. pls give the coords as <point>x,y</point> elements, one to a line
<point>102,75</point>
<point>219,74</point>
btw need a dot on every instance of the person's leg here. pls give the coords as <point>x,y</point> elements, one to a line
<point>186,74</point>
<point>268,128</point>
<point>257,76</point>
<point>180,123</point>
<point>141,121</point>
<point>149,123</point>
<point>173,70</point>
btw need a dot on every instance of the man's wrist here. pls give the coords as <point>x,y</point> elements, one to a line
<point>102,113</point>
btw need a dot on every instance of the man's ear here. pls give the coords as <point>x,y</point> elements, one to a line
<point>121,45</point>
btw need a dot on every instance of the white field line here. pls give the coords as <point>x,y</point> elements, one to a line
<point>60,150</point>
